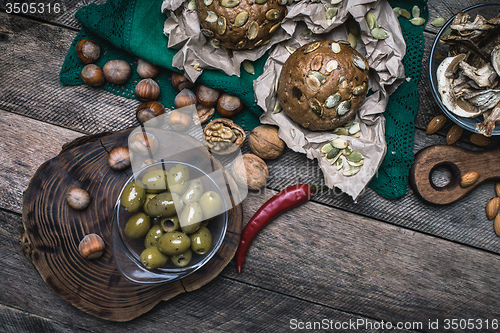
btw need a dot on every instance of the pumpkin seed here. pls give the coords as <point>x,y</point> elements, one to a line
<point>316,107</point>
<point>283,2</point>
<point>221,25</point>
<point>352,40</point>
<point>207,33</point>
<point>334,159</point>
<point>317,62</point>
<point>326,148</point>
<point>331,12</point>
<point>350,170</point>
<point>318,75</point>
<point>417,21</point>
<point>230,3</point>
<point>273,14</point>
<point>343,82</point>
<point>191,6</point>
<point>335,47</point>
<point>335,2</point>
<point>343,108</point>
<point>379,33</point>
<point>241,19</point>
<point>211,17</point>
<point>311,47</point>
<point>290,49</point>
<point>355,157</point>
<point>292,133</point>
<point>339,143</point>
<point>332,65</point>
<point>289,2</point>
<point>266,42</point>
<point>333,100</point>
<point>248,66</point>
<point>274,27</point>
<point>332,153</point>
<point>259,42</point>
<point>359,90</point>
<point>396,11</point>
<point>354,128</point>
<point>208,2</point>
<point>341,131</point>
<point>347,151</point>
<point>215,43</point>
<point>277,108</point>
<point>403,12</point>
<point>438,22</point>
<point>371,21</point>
<point>415,11</point>
<point>241,44</point>
<point>260,2</point>
<point>313,83</point>
<point>276,84</point>
<point>357,164</point>
<point>358,62</point>
<point>253,30</point>
<point>340,162</point>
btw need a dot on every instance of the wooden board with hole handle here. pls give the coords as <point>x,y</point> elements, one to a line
<point>458,161</point>
<point>52,232</point>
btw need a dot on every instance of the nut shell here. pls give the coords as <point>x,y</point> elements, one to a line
<point>92,75</point>
<point>149,110</point>
<point>117,71</point>
<point>326,98</point>
<point>265,142</point>
<point>147,90</point>
<point>88,51</point>
<point>91,246</point>
<point>250,171</point>
<point>215,136</point>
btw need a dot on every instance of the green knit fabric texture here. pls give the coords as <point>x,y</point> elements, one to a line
<point>132,29</point>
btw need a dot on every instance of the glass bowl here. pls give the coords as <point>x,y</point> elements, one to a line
<point>440,50</point>
<point>127,251</point>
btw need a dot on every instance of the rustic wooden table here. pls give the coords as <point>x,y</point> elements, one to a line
<point>331,261</point>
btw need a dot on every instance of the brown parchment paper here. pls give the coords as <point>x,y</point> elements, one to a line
<point>306,21</point>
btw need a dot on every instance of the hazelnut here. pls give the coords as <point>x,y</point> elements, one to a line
<point>119,158</point>
<point>184,98</point>
<point>143,143</point>
<point>229,105</point>
<point>88,51</point>
<point>179,121</point>
<point>207,96</point>
<point>147,70</point>
<point>148,111</point>
<point>117,71</point>
<point>77,198</point>
<point>91,246</point>
<point>92,75</point>
<point>265,142</point>
<point>250,171</point>
<point>147,90</point>
<point>180,82</point>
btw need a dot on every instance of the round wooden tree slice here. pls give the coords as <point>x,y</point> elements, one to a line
<point>53,231</point>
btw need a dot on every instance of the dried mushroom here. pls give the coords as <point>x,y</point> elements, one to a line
<point>223,136</point>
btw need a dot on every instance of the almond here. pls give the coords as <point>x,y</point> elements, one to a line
<point>479,139</point>
<point>492,208</point>
<point>435,124</point>
<point>454,134</point>
<point>469,178</point>
<point>497,189</point>
<point>496,225</point>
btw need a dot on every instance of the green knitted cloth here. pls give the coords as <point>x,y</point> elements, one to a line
<point>130,29</point>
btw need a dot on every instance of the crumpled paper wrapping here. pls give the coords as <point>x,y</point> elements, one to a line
<point>306,21</point>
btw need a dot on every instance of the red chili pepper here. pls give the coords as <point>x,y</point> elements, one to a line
<point>283,201</point>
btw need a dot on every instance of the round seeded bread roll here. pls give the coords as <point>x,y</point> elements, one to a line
<point>322,84</point>
<point>240,24</point>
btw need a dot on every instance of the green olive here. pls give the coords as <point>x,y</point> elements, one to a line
<point>169,224</point>
<point>211,204</point>
<point>162,205</point>
<point>183,259</point>
<point>178,178</point>
<point>155,181</point>
<point>152,258</point>
<point>179,204</point>
<point>153,236</point>
<point>193,192</point>
<point>149,196</point>
<point>133,197</point>
<point>201,241</point>
<point>191,217</point>
<point>137,225</point>
<point>172,243</point>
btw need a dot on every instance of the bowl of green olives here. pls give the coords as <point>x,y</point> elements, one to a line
<point>170,219</point>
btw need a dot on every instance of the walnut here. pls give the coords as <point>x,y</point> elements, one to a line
<point>265,142</point>
<point>224,137</point>
<point>251,171</point>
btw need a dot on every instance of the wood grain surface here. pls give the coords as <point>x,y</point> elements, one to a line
<point>399,260</point>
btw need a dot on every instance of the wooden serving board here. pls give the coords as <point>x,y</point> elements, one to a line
<point>458,161</point>
<point>52,233</point>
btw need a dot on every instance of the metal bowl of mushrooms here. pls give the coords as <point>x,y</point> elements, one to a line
<point>464,69</point>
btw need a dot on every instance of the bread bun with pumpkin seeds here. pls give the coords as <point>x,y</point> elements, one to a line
<point>322,84</point>
<point>240,24</point>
